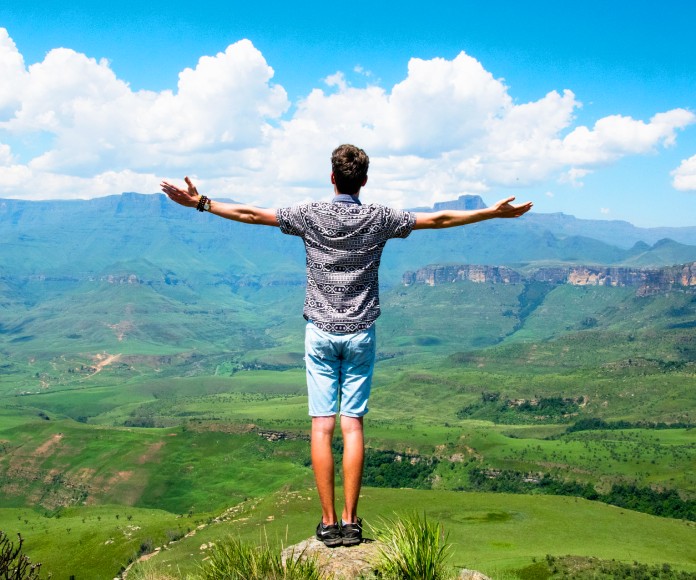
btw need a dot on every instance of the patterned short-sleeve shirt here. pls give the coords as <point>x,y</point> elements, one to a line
<point>343,242</point>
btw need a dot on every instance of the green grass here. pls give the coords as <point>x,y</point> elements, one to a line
<point>90,542</point>
<point>237,560</point>
<point>413,549</point>
<point>207,379</point>
<point>441,319</point>
<point>56,463</point>
<point>203,470</point>
<point>488,532</point>
<point>647,457</point>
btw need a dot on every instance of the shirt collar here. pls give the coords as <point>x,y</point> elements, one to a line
<point>345,198</point>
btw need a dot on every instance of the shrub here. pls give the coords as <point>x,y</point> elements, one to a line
<point>174,535</point>
<point>13,564</point>
<point>414,549</point>
<point>147,546</point>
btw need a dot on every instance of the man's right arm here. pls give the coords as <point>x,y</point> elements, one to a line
<point>452,217</point>
<point>247,214</point>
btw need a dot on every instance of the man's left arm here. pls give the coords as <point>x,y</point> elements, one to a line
<point>247,214</point>
<point>452,217</point>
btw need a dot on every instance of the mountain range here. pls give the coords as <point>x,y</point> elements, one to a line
<point>152,238</point>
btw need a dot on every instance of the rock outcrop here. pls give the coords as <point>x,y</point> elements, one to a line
<point>350,563</point>
<point>647,281</point>
<point>466,574</point>
<point>337,563</point>
<point>463,202</point>
<point>437,275</point>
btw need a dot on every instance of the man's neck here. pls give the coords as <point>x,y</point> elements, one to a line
<point>346,198</point>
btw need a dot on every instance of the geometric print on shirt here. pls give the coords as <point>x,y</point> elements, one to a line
<point>343,243</point>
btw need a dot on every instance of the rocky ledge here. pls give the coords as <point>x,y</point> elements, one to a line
<point>646,280</point>
<point>350,563</point>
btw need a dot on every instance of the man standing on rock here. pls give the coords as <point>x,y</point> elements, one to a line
<point>343,240</point>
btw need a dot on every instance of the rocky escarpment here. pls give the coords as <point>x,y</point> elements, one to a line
<point>646,280</point>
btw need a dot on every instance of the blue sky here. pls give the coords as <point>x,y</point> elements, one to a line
<point>586,109</point>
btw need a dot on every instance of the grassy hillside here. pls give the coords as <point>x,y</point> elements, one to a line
<point>510,357</point>
<point>494,533</point>
<point>91,542</point>
<point>50,464</point>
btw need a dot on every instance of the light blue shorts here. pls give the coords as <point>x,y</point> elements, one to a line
<point>339,370</point>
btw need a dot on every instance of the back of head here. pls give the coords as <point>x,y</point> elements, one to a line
<point>349,165</point>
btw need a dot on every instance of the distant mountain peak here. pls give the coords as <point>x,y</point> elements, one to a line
<point>665,242</point>
<point>463,202</point>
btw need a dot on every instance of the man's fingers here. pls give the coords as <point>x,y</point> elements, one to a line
<point>170,189</point>
<point>192,188</point>
<point>506,209</point>
<point>173,192</point>
<point>524,208</point>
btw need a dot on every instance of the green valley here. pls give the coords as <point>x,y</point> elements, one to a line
<point>152,392</point>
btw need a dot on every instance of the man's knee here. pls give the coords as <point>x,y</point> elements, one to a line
<point>350,425</point>
<point>323,426</point>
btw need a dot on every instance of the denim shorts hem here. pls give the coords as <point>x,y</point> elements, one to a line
<point>355,415</point>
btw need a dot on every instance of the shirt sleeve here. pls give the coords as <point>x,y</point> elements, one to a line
<point>292,220</point>
<point>400,223</point>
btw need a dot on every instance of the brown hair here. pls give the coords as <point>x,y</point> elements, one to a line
<point>349,165</point>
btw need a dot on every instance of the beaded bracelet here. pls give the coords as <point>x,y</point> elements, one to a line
<point>202,203</point>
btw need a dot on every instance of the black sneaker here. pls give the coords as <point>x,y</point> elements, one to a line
<point>352,533</point>
<point>330,535</point>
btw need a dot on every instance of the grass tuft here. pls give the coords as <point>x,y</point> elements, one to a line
<point>146,571</point>
<point>413,549</point>
<point>237,560</point>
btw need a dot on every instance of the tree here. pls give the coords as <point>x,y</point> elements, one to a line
<point>13,564</point>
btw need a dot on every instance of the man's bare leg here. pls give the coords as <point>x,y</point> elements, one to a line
<point>353,457</point>
<point>323,465</point>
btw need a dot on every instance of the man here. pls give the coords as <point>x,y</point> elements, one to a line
<point>343,240</point>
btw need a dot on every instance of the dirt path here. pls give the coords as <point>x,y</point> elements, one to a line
<point>47,446</point>
<point>102,361</point>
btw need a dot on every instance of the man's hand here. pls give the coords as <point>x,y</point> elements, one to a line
<point>186,197</point>
<point>450,218</point>
<point>247,214</point>
<point>504,209</point>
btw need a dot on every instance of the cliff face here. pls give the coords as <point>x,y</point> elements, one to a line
<point>646,281</point>
<point>436,275</point>
<point>464,202</point>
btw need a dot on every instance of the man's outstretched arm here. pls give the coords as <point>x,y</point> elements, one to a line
<point>450,218</point>
<point>248,214</point>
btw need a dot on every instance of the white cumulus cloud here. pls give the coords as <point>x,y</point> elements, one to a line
<point>103,131</point>
<point>684,176</point>
<point>617,136</point>
<point>5,155</point>
<point>449,127</point>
